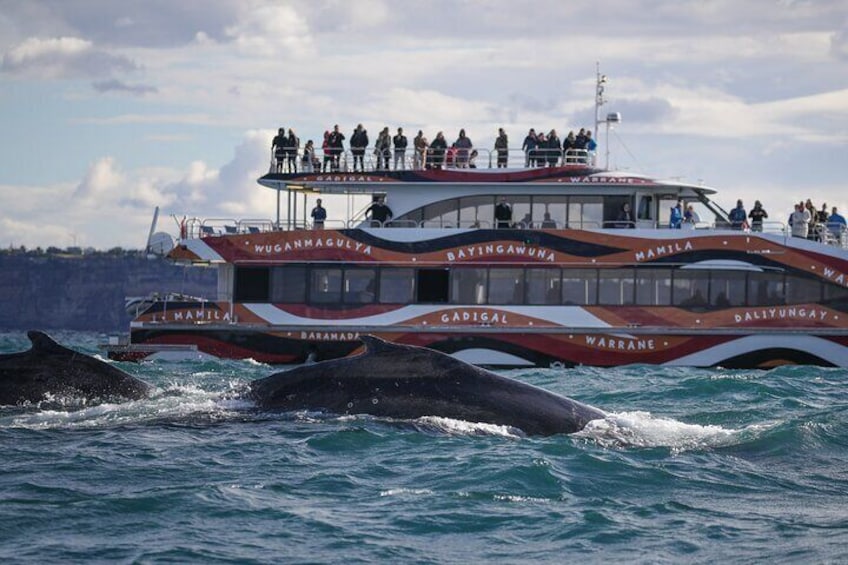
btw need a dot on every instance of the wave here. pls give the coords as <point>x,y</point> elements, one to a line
<point>642,429</point>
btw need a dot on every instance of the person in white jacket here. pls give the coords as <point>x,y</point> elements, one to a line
<point>800,221</point>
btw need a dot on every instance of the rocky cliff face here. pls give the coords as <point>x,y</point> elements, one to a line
<point>87,292</point>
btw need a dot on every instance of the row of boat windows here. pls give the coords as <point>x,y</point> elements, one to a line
<point>564,211</point>
<point>326,286</point>
<point>576,211</point>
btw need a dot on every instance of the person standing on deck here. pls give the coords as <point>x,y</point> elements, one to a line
<point>319,214</point>
<point>419,146</point>
<point>757,215</point>
<point>399,141</point>
<point>738,216</point>
<point>800,221</point>
<point>502,148</point>
<point>278,151</point>
<point>436,156</point>
<point>336,142</point>
<point>463,148</point>
<point>529,147</point>
<point>358,143</point>
<point>503,214</point>
<point>379,213</point>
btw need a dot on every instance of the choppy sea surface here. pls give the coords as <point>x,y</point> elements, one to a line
<point>692,465</point>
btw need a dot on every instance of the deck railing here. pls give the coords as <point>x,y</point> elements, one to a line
<point>432,158</point>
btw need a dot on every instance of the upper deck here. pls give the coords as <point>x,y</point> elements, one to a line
<point>570,193</point>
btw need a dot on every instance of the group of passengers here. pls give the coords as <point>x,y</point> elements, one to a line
<point>809,223</point>
<point>390,151</point>
<point>547,151</point>
<point>683,217</point>
<point>805,221</point>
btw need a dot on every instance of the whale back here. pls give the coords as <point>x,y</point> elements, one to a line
<point>50,370</point>
<point>404,381</point>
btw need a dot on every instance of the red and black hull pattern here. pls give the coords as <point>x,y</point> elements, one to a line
<point>805,323</point>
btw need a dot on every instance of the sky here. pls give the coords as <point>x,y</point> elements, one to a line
<point>111,109</point>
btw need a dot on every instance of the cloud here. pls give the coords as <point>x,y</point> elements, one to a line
<point>62,57</point>
<point>839,45</point>
<point>114,85</point>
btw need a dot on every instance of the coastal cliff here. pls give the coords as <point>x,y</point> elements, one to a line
<point>87,292</point>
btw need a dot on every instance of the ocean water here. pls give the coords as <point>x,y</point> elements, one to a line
<point>691,465</point>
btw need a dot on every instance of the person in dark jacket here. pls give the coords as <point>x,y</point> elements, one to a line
<point>757,215</point>
<point>554,149</point>
<point>625,217</point>
<point>738,216</point>
<point>278,150</point>
<point>529,148</point>
<point>399,141</point>
<point>336,143</point>
<point>379,213</point>
<point>358,143</point>
<point>503,214</point>
<point>319,214</point>
<point>290,147</point>
<point>437,151</point>
<point>502,148</point>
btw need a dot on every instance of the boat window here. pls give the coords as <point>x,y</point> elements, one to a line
<point>580,286</point>
<point>690,288</point>
<point>834,292</point>
<point>766,289</point>
<point>476,211</point>
<point>800,290</point>
<point>556,206</point>
<point>397,285</point>
<point>666,204</point>
<point>252,284</point>
<point>521,211</point>
<point>644,211</point>
<point>612,208</point>
<point>653,287</point>
<point>288,284</point>
<point>543,286</point>
<point>360,286</point>
<point>585,212</point>
<point>468,286</point>
<point>727,288</point>
<point>433,285</point>
<point>442,214</point>
<point>506,286</point>
<point>326,286</point>
<point>616,286</point>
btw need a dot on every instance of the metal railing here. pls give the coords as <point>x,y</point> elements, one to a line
<point>193,228</point>
<point>344,161</point>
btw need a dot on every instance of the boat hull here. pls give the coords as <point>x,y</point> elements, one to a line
<point>499,348</point>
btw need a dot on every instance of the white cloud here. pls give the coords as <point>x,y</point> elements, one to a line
<point>747,98</point>
<point>62,57</point>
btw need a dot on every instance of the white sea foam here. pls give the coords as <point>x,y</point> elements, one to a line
<point>174,402</point>
<point>461,427</point>
<point>641,429</point>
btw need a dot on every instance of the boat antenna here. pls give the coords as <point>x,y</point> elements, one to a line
<point>611,118</point>
<point>600,81</point>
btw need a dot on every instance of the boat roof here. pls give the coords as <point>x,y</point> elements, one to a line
<point>489,180</point>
